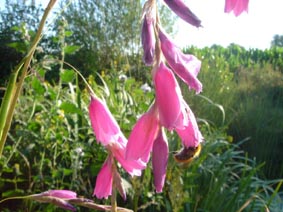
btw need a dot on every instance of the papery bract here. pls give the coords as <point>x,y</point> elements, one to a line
<point>186,66</point>
<point>183,11</point>
<point>104,180</point>
<point>237,6</point>
<point>142,136</point>
<point>168,98</point>
<point>190,135</point>
<point>119,184</point>
<point>148,40</point>
<point>104,125</point>
<point>160,153</point>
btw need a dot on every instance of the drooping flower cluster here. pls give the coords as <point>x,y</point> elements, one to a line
<point>169,110</point>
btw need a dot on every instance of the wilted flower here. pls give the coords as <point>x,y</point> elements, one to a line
<point>148,32</point>
<point>148,40</point>
<point>186,66</point>
<point>56,197</point>
<point>237,6</point>
<point>183,11</point>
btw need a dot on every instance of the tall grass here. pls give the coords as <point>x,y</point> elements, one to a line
<point>260,115</point>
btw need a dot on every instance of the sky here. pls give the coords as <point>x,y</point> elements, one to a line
<point>254,29</point>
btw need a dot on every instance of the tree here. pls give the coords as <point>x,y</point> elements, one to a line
<point>17,24</point>
<point>277,41</point>
<point>106,31</point>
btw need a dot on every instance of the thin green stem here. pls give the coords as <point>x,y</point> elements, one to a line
<point>114,193</point>
<point>11,198</point>
<point>113,200</point>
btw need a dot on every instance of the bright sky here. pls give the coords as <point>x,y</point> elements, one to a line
<point>254,29</point>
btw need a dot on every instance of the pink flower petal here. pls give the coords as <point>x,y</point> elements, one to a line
<point>190,135</point>
<point>133,167</point>
<point>229,5</point>
<point>142,136</point>
<point>159,160</point>
<point>104,125</point>
<point>168,97</point>
<point>104,180</point>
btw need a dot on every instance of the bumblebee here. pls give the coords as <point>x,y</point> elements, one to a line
<point>186,155</point>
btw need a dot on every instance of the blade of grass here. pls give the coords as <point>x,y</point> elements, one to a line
<point>14,88</point>
<point>6,105</point>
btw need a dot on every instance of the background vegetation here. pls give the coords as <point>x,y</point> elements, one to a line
<point>51,144</point>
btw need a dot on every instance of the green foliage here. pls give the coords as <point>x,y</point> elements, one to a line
<point>16,30</point>
<point>105,30</point>
<point>51,144</point>
<point>259,116</point>
<point>248,85</point>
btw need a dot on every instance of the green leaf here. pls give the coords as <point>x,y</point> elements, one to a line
<point>69,107</point>
<point>37,87</point>
<point>71,49</point>
<point>19,46</point>
<point>68,33</point>
<point>67,172</point>
<point>67,76</point>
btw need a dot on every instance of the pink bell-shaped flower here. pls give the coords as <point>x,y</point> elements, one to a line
<point>108,133</point>
<point>168,98</point>
<point>104,180</point>
<point>237,6</point>
<point>104,125</point>
<point>186,66</point>
<point>143,134</point>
